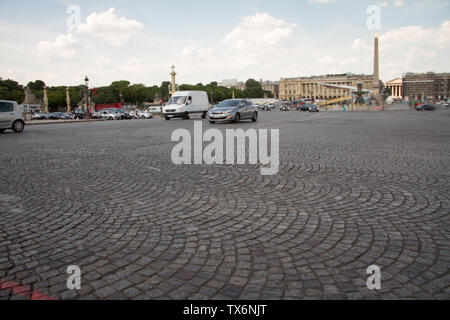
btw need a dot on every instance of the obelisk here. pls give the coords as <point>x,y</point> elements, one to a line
<point>376,66</point>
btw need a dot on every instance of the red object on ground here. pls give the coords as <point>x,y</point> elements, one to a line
<point>117,105</point>
<point>17,288</point>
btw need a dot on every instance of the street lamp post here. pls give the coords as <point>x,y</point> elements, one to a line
<point>86,81</point>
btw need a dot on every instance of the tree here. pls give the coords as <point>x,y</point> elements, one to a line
<point>38,85</point>
<point>253,89</point>
<point>164,90</point>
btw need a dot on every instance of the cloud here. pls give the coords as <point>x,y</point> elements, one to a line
<point>411,49</point>
<point>258,32</point>
<point>109,27</point>
<point>195,53</point>
<point>63,48</point>
<point>104,62</point>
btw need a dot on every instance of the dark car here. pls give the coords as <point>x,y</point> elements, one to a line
<point>426,107</point>
<point>314,108</point>
<point>233,110</point>
<point>78,114</point>
<point>125,115</point>
<point>269,107</point>
<point>66,116</point>
<point>55,116</point>
<point>304,107</point>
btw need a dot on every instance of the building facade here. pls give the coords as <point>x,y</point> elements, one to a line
<point>428,85</point>
<point>311,88</point>
<point>396,87</point>
<point>271,86</point>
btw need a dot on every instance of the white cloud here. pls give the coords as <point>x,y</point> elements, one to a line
<point>410,49</point>
<point>195,53</point>
<point>109,27</point>
<point>63,48</point>
<point>258,32</point>
<point>104,62</point>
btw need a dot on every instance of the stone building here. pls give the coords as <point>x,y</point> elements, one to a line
<point>272,86</point>
<point>396,86</point>
<point>428,85</point>
<point>310,87</point>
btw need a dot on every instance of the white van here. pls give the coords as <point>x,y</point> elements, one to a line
<point>11,116</point>
<point>184,103</point>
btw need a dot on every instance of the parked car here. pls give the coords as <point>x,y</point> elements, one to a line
<point>426,107</point>
<point>144,115</point>
<point>304,107</point>
<point>314,108</point>
<point>66,116</point>
<point>269,107</point>
<point>37,115</point>
<point>284,108</point>
<point>78,114</point>
<point>125,115</point>
<point>109,115</point>
<point>11,116</point>
<point>55,116</point>
<point>233,111</point>
<point>184,103</point>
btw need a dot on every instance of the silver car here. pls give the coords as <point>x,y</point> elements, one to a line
<point>233,110</point>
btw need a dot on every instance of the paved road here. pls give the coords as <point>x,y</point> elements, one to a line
<point>354,189</point>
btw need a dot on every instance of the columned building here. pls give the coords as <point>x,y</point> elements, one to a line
<point>396,87</point>
<point>272,86</point>
<point>428,85</point>
<point>311,88</point>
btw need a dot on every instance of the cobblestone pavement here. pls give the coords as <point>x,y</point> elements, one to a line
<point>354,189</point>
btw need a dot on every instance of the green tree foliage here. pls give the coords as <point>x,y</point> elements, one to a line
<point>11,90</point>
<point>123,91</point>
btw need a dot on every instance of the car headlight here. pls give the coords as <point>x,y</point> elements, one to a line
<point>228,112</point>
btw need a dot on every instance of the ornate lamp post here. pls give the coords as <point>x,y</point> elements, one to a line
<point>86,81</point>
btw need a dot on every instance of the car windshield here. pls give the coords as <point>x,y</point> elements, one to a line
<point>229,104</point>
<point>177,100</point>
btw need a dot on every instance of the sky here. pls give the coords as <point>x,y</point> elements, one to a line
<point>62,41</point>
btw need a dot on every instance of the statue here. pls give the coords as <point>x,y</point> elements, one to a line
<point>30,98</point>
<point>45,101</point>
<point>68,100</point>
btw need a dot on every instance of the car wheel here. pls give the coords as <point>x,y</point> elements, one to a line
<point>142,117</point>
<point>18,126</point>
<point>255,117</point>
<point>111,118</point>
<point>2,130</point>
<point>186,116</point>
<point>204,115</point>
<point>167,118</point>
<point>237,118</point>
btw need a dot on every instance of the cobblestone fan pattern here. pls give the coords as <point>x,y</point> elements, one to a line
<point>354,189</point>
